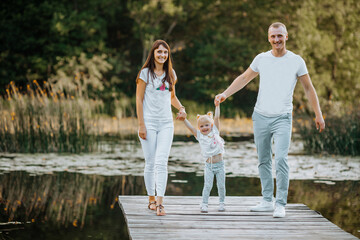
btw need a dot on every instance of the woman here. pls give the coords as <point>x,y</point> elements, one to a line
<point>155,93</point>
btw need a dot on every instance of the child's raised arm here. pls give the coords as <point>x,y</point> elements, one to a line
<point>190,127</point>
<point>217,117</point>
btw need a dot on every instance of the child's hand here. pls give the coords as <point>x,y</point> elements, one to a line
<point>219,99</point>
<point>181,115</point>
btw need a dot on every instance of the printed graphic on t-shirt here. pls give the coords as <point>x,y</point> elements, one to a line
<point>162,87</point>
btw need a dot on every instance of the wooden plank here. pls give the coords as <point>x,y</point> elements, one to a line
<point>230,218</point>
<point>184,220</point>
<point>228,224</point>
<point>238,234</point>
<point>197,206</point>
<point>221,235</point>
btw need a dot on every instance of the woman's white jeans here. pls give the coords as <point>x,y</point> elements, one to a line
<point>156,148</point>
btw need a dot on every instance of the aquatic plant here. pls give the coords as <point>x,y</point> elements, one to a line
<point>42,120</point>
<point>341,135</point>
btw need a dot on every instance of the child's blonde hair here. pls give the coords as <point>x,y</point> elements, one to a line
<point>205,118</point>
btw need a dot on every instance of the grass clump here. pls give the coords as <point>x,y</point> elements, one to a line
<point>341,135</point>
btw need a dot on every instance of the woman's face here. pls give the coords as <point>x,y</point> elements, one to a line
<point>161,54</point>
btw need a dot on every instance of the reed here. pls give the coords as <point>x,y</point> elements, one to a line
<point>341,135</point>
<point>63,199</point>
<point>42,120</point>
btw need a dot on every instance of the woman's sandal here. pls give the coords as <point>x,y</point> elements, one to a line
<point>152,205</point>
<point>159,210</point>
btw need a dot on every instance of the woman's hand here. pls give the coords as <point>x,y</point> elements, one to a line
<point>181,115</point>
<point>142,132</point>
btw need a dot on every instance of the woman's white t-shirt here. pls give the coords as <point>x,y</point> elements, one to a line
<point>157,97</point>
<point>211,144</point>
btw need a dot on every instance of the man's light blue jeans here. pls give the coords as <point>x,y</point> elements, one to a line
<point>278,129</point>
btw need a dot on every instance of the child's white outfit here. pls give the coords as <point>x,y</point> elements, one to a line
<point>212,145</point>
<point>159,132</point>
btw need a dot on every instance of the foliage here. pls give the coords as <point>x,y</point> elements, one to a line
<point>149,15</point>
<point>326,35</point>
<point>212,43</point>
<point>46,121</point>
<point>341,135</point>
<point>79,75</point>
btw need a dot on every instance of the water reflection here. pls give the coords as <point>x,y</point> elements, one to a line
<point>64,205</point>
<point>126,158</point>
<point>77,206</point>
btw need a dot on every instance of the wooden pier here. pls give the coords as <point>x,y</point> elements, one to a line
<point>184,221</point>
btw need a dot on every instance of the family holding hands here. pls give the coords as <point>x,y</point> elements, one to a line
<point>279,71</point>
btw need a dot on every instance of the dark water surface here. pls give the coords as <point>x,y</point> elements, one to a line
<point>66,205</point>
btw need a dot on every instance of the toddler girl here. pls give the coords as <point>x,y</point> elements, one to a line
<point>212,150</point>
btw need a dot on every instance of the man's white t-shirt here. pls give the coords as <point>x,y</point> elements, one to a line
<point>157,97</point>
<point>211,144</point>
<point>278,77</point>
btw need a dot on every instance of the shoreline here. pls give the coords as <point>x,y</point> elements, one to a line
<point>128,126</point>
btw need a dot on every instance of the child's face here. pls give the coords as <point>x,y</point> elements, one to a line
<point>204,126</point>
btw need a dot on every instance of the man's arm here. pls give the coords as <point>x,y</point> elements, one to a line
<point>190,127</point>
<point>239,82</point>
<point>314,101</point>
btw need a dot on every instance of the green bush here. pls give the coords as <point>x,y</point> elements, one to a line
<point>341,135</point>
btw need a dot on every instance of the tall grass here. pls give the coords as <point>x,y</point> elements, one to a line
<point>42,120</point>
<point>64,199</point>
<point>341,135</point>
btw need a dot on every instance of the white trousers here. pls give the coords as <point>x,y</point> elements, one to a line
<point>156,148</point>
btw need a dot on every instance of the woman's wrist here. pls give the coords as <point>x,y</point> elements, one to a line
<point>182,109</point>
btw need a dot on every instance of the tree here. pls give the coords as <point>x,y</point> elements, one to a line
<point>327,36</point>
<point>149,16</point>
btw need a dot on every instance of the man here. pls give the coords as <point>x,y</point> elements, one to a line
<point>279,71</point>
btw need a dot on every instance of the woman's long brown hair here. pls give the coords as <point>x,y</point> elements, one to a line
<point>150,63</point>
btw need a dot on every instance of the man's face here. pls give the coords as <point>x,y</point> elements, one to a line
<point>277,37</point>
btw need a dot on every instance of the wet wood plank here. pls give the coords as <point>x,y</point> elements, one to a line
<point>184,220</point>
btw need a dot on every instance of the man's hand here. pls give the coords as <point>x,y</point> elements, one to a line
<point>320,123</point>
<point>219,99</point>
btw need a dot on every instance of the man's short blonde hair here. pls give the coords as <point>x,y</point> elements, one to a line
<point>277,25</point>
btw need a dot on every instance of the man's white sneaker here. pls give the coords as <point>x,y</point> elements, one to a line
<point>279,212</point>
<point>221,207</point>
<point>204,208</point>
<point>263,206</point>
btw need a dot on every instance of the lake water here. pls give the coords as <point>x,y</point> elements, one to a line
<point>66,196</point>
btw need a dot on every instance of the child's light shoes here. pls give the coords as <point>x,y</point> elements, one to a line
<point>221,207</point>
